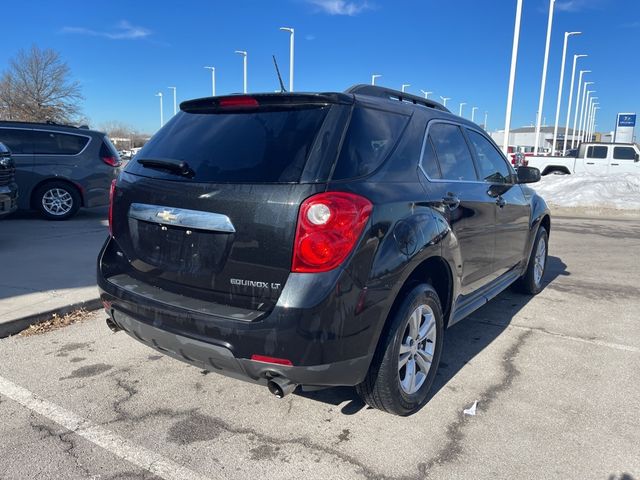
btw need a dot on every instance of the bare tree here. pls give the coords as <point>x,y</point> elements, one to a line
<point>37,87</point>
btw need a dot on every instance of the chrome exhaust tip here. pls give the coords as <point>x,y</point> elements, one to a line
<point>280,387</point>
<point>112,325</point>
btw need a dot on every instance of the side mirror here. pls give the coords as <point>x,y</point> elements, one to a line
<point>636,158</point>
<point>528,175</point>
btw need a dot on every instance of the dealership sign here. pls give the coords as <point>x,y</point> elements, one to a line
<point>625,127</point>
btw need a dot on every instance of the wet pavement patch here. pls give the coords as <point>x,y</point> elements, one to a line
<point>195,428</point>
<point>264,452</point>
<point>89,371</point>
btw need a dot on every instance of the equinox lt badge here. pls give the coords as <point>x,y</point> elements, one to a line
<point>254,284</point>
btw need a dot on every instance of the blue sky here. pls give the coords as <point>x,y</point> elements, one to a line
<point>123,52</point>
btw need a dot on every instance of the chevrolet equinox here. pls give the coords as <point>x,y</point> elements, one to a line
<point>317,239</point>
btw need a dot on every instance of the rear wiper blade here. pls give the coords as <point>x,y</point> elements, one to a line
<point>179,167</point>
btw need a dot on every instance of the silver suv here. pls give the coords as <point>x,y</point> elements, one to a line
<point>60,168</point>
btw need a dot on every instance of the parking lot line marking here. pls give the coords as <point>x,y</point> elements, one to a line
<point>117,445</point>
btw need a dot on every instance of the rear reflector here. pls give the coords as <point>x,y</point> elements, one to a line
<point>234,102</point>
<point>274,360</point>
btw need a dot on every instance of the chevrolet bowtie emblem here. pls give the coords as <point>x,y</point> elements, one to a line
<point>167,216</point>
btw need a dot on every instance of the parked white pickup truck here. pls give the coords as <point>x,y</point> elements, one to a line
<point>592,158</point>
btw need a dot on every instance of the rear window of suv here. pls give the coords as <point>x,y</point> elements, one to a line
<point>251,147</point>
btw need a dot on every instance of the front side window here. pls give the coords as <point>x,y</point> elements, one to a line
<point>597,152</point>
<point>55,143</point>
<point>624,153</point>
<point>453,152</point>
<point>18,141</point>
<point>493,168</point>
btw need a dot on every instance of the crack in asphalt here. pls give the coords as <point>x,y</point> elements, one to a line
<point>453,448</point>
<point>130,391</point>
<point>66,438</point>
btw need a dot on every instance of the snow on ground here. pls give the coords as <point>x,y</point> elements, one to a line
<point>620,191</point>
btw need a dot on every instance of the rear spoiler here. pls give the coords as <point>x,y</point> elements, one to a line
<point>269,101</point>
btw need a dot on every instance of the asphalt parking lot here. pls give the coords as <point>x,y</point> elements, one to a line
<point>556,377</point>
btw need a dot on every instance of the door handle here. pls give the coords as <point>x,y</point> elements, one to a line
<point>451,200</point>
<point>590,163</point>
<point>615,164</point>
<point>501,202</point>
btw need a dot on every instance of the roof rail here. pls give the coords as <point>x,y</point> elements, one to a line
<point>46,122</point>
<point>391,94</point>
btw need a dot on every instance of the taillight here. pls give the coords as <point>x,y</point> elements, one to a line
<point>234,102</point>
<point>112,194</point>
<point>329,225</point>
<point>112,161</point>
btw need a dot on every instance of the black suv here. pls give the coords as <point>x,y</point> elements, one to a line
<point>60,168</point>
<point>317,239</point>
<point>8,187</point>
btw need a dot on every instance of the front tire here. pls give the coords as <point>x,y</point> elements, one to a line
<point>57,200</point>
<point>405,364</point>
<point>531,282</point>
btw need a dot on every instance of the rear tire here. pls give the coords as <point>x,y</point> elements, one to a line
<point>531,282</point>
<point>406,362</point>
<point>57,200</point>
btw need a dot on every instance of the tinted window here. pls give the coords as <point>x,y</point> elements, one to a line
<point>18,141</point>
<point>624,153</point>
<point>429,160</point>
<point>371,136</point>
<point>492,166</point>
<point>253,147</point>
<point>453,153</point>
<point>54,143</point>
<point>597,152</point>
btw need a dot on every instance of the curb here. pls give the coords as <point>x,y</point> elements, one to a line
<point>17,325</point>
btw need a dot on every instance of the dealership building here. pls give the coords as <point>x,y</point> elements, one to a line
<point>524,138</point>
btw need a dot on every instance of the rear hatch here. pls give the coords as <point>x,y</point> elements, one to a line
<point>208,208</point>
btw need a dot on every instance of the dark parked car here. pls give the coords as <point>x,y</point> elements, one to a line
<point>8,187</point>
<point>60,168</point>
<point>317,239</point>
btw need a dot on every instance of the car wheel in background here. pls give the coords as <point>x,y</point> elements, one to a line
<point>405,365</point>
<point>57,200</point>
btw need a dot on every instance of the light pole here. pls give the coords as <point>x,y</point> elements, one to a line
<point>291,41</point>
<point>473,113</point>
<point>486,114</point>
<point>159,94</point>
<point>244,69</point>
<point>566,127</point>
<point>560,85</point>
<point>544,75</point>
<point>175,109</point>
<point>213,80</point>
<point>405,86</point>
<point>593,121</point>
<point>512,78</point>
<point>373,78</point>
<point>425,93</point>
<point>587,116</point>
<point>444,100</point>
<point>585,97</point>
<point>575,117</point>
<point>462,104</point>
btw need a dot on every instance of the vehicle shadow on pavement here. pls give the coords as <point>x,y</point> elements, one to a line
<point>462,342</point>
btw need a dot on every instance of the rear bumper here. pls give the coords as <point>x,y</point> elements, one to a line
<point>319,325</point>
<point>216,358</point>
<point>8,199</point>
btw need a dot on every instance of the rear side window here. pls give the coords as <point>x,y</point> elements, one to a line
<point>597,152</point>
<point>54,143</point>
<point>371,136</point>
<point>493,168</point>
<point>252,147</point>
<point>18,141</point>
<point>624,153</point>
<point>453,152</point>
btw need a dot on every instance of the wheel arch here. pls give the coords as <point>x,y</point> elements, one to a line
<point>36,187</point>
<point>555,168</point>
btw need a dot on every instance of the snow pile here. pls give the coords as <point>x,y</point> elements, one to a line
<point>619,191</point>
